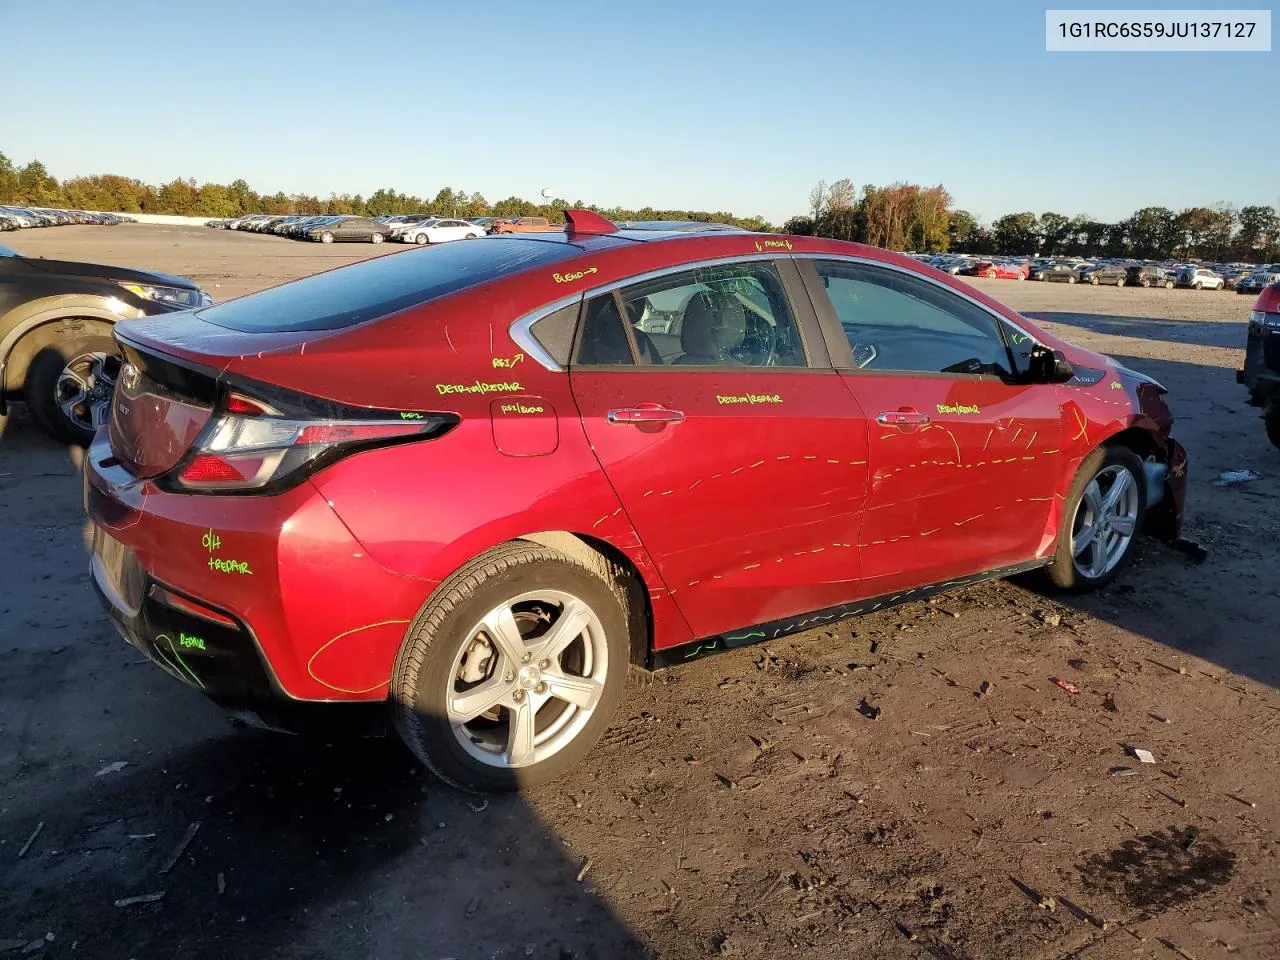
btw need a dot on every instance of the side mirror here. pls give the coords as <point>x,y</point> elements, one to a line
<point>1049,366</point>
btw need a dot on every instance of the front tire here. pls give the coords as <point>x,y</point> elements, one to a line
<point>512,669</point>
<point>69,387</point>
<point>420,239</point>
<point>1102,520</point>
<point>376,238</point>
<point>1197,285</point>
<point>1168,284</point>
<point>326,237</point>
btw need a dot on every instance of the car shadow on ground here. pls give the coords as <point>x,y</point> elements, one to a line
<point>300,849</point>
<point>1216,333</point>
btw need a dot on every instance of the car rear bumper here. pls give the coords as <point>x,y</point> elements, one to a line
<point>300,612</point>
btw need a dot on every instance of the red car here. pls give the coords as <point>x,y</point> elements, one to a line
<point>465,487</point>
<point>1000,271</point>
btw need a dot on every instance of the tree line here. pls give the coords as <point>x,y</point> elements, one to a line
<point>904,216</point>
<point>900,216</point>
<point>33,185</point>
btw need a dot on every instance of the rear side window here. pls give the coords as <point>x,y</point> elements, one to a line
<point>383,285</point>
<point>722,316</point>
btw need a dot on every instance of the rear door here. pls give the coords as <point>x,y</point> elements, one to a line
<point>964,460</point>
<point>736,450</point>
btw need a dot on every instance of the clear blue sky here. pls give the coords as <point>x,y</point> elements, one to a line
<point>701,104</point>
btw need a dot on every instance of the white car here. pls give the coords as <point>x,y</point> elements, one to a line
<point>1198,278</point>
<point>440,231</point>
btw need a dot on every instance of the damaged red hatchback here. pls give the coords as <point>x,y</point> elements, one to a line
<point>466,487</point>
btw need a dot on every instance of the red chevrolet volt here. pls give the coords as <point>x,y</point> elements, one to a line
<point>464,488</point>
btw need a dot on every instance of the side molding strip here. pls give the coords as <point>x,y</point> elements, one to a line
<point>760,633</point>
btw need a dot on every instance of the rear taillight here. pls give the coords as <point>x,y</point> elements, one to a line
<point>1268,302</point>
<point>249,446</point>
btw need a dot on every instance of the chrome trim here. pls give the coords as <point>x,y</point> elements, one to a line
<point>682,268</point>
<point>868,261</point>
<point>519,331</point>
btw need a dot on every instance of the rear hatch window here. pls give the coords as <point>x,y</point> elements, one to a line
<point>383,285</point>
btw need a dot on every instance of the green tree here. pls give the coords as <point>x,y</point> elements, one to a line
<point>800,226</point>
<point>1151,233</point>
<point>1055,230</point>
<point>214,200</point>
<point>1256,239</point>
<point>961,228</point>
<point>8,180</point>
<point>177,197</point>
<point>37,187</point>
<point>1017,233</point>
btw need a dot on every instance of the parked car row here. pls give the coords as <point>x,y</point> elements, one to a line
<point>417,228</point>
<point>331,228</point>
<point>1244,278</point>
<point>20,218</point>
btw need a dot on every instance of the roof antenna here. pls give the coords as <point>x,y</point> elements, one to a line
<point>584,221</point>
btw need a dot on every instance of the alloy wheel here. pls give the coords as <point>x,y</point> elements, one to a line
<point>1105,522</point>
<point>84,388</point>
<point>526,679</point>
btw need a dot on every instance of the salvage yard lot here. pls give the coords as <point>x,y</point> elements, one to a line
<point>909,784</point>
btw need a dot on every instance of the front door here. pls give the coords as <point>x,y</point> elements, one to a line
<point>963,459</point>
<point>736,450</point>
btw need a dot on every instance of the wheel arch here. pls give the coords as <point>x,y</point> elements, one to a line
<point>1161,517</point>
<point>33,326</point>
<point>615,567</point>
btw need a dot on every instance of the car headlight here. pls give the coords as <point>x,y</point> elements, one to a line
<point>180,296</point>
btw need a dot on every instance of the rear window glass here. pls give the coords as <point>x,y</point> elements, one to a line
<point>383,285</point>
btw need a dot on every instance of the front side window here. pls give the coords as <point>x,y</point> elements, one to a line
<point>734,315</point>
<point>898,322</point>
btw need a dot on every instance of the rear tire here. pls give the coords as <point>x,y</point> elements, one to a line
<point>472,737</point>
<point>1076,567</point>
<point>1197,285</point>
<point>1168,284</point>
<point>1145,283</point>
<point>1119,281</point>
<point>1273,424</point>
<point>69,386</point>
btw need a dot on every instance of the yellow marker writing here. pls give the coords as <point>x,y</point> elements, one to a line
<point>478,387</point>
<point>570,277</point>
<point>763,245</point>
<point>957,408</point>
<point>749,398</point>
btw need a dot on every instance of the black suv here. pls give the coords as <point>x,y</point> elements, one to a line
<point>1261,373</point>
<point>1140,275</point>
<point>56,349</point>
<point>1117,273</point>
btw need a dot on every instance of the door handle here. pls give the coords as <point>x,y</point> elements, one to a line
<point>645,413</point>
<point>905,417</point>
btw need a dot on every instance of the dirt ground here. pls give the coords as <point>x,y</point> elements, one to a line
<point>744,805</point>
